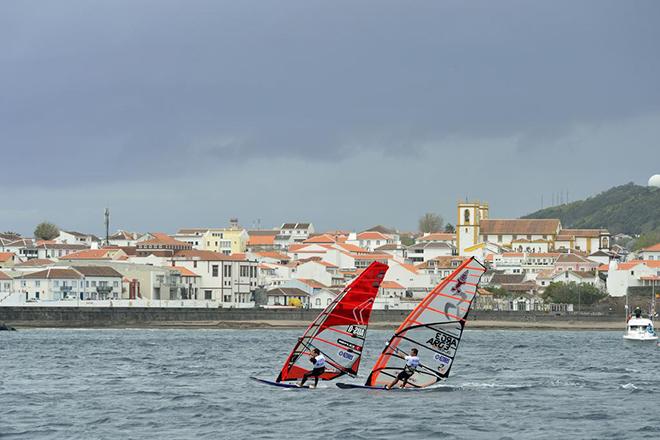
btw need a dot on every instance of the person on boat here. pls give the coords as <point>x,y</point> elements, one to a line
<point>638,312</point>
<point>412,362</point>
<point>319,367</point>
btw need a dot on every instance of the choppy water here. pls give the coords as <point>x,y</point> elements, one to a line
<point>185,384</point>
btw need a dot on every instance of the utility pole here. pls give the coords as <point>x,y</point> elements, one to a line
<point>107,226</point>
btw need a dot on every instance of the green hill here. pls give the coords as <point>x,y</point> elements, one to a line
<point>630,208</point>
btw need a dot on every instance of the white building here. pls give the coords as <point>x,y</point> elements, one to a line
<point>58,250</point>
<point>58,283</point>
<point>421,252</point>
<point>73,237</point>
<point>6,285</point>
<point>650,253</point>
<point>370,240</point>
<point>287,296</point>
<point>124,239</point>
<point>634,273</point>
<point>293,233</point>
<point>230,279</point>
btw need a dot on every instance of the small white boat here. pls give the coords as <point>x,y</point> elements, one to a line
<point>640,329</point>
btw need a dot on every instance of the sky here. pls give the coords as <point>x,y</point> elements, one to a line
<point>343,113</point>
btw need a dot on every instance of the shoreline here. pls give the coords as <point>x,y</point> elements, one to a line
<point>294,324</point>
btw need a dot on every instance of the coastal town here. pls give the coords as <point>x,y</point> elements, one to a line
<point>296,266</point>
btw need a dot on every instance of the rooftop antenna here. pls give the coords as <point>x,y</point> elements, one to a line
<point>107,226</point>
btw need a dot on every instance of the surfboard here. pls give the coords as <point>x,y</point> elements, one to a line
<point>348,386</point>
<point>278,384</point>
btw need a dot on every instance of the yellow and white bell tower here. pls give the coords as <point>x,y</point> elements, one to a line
<point>470,215</point>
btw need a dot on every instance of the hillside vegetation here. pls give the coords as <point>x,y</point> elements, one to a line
<point>630,209</point>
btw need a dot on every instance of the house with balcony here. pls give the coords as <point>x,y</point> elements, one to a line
<point>229,279</point>
<point>69,283</point>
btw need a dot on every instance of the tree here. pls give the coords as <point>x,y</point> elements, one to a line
<point>500,292</point>
<point>430,222</point>
<point>46,231</point>
<point>407,240</point>
<point>646,240</point>
<point>449,228</point>
<point>572,293</point>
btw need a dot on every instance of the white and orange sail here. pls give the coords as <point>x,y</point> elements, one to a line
<point>434,327</point>
<point>339,331</point>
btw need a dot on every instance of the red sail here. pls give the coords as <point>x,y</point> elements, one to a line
<point>339,331</point>
<point>434,328</point>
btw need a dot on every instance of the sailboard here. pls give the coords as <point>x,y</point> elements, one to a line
<point>434,327</point>
<point>338,332</point>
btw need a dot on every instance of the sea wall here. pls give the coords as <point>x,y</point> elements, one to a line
<point>154,316</point>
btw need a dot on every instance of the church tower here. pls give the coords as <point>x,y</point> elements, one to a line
<point>470,215</point>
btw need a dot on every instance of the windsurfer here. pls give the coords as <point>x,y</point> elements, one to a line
<point>412,362</point>
<point>319,367</point>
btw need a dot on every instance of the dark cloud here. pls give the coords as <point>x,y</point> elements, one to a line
<point>128,91</point>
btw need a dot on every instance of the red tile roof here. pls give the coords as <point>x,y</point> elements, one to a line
<point>163,239</point>
<point>274,255</point>
<point>312,283</point>
<point>438,236</point>
<point>261,240</point>
<point>53,273</point>
<point>6,256</point>
<point>185,272</point>
<point>35,262</point>
<point>519,227</point>
<point>194,254</point>
<point>372,235</point>
<point>391,285</point>
<point>630,264</point>
<point>4,276</point>
<point>91,254</point>
<point>323,238</point>
<point>592,233</point>
<point>654,248</point>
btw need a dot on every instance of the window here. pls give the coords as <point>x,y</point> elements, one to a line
<point>208,294</point>
<point>245,271</point>
<point>93,283</point>
<point>227,270</point>
<point>37,283</point>
<point>318,301</point>
<point>56,283</point>
<point>115,283</point>
<point>214,270</point>
<point>466,216</point>
<point>195,264</point>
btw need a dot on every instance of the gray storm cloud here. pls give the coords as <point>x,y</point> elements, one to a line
<point>147,92</point>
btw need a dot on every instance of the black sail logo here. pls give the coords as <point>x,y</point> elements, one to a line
<point>443,342</point>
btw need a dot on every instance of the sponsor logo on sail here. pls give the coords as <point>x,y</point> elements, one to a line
<point>443,342</point>
<point>349,345</point>
<point>356,330</point>
<point>346,355</point>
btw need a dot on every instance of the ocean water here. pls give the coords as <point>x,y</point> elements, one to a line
<point>193,384</point>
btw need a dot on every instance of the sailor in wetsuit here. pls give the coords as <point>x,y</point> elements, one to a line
<point>412,362</point>
<point>319,367</point>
